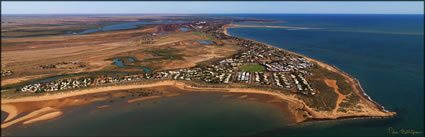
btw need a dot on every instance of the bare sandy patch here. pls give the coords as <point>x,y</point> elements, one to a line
<point>47,116</point>
<point>243,96</point>
<point>11,110</point>
<point>172,94</point>
<point>142,98</point>
<point>19,79</point>
<point>332,84</point>
<point>225,96</point>
<point>28,116</point>
<point>103,106</point>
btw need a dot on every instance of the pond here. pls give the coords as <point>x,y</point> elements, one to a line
<point>184,29</point>
<point>205,42</point>
<point>120,63</point>
<point>131,59</point>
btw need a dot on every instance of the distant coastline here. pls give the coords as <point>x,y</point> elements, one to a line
<point>265,26</point>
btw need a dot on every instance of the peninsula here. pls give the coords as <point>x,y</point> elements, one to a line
<point>190,54</point>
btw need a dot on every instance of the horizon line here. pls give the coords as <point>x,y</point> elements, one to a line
<point>195,13</point>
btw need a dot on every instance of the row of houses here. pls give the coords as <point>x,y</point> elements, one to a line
<point>67,65</point>
<point>56,85</point>
<point>281,64</point>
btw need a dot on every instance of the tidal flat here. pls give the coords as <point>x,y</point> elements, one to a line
<point>175,112</point>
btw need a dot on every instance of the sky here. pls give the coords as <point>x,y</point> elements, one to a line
<point>194,7</point>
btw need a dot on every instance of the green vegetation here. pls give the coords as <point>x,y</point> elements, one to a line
<point>168,53</point>
<point>325,100</point>
<point>198,33</point>
<point>139,34</point>
<point>212,37</point>
<point>352,100</point>
<point>252,67</point>
<point>343,86</point>
<point>4,43</point>
<point>162,54</point>
<point>30,33</point>
<point>154,63</point>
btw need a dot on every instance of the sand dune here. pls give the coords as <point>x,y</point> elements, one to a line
<point>30,115</point>
<point>11,110</point>
<point>44,117</point>
<point>142,98</point>
<point>103,106</point>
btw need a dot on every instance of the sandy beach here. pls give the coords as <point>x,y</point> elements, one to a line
<point>32,117</point>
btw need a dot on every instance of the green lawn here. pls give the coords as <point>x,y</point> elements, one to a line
<point>251,68</point>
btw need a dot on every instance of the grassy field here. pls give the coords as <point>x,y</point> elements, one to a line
<point>252,68</point>
<point>211,37</point>
<point>198,33</point>
<point>325,100</point>
<point>168,52</point>
<point>5,43</point>
<point>343,86</point>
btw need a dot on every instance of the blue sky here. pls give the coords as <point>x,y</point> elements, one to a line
<point>182,7</point>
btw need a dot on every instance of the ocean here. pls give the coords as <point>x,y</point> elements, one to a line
<point>384,52</point>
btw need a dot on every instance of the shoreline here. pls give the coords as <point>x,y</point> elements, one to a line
<point>9,105</point>
<point>265,26</point>
<point>295,105</point>
<point>361,93</point>
<point>46,114</point>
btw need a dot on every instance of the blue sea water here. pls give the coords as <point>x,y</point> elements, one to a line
<point>384,52</point>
